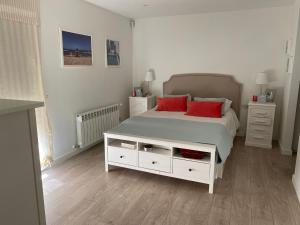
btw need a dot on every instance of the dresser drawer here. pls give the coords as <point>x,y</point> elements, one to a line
<point>138,105</point>
<point>259,129</point>
<point>154,161</point>
<point>260,121</point>
<point>261,112</point>
<point>138,100</point>
<point>259,139</point>
<point>122,155</point>
<point>190,170</point>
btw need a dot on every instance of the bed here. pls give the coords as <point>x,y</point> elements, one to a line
<point>169,132</point>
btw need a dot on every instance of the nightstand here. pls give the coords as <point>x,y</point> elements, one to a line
<point>260,124</point>
<point>138,105</point>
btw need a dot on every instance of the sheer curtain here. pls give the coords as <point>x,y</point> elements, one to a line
<point>20,66</point>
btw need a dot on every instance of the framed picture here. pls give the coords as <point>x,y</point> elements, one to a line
<point>112,57</point>
<point>270,95</point>
<point>138,92</point>
<point>76,49</point>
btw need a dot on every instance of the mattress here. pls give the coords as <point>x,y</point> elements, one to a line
<point>229,120</point>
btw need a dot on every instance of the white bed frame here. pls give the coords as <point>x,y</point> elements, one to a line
<point>164,158</point>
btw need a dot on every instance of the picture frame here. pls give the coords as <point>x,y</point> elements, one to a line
<point>270,95</point>
<point>138,92</point>
<point>112,53</point>
<point>76,49</point>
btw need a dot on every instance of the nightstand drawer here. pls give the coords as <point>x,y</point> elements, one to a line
<point>261,112</point>
<point>138,105</point>
<point>138,100</point>
<point>259,129</point>
<point>260,121</point>
<point>259,139</point>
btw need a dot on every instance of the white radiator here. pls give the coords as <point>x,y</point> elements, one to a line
<point>92,124</point>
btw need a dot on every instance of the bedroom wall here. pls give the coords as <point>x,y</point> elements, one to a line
<point>240,43</point>
<point>73,90</point>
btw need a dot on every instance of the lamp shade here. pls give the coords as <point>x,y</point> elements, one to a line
<point>262,78</point>
<point>149,76</point>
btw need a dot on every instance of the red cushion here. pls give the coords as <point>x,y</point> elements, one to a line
<point>178,104</point>
<point>186,153</point>
<point>205,109</point>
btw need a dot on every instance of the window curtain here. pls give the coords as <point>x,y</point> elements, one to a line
<point>20,66</point>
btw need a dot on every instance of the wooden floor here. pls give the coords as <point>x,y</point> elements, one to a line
<point>256,189</point>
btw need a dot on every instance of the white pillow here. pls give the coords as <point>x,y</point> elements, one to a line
<point>227,105</point>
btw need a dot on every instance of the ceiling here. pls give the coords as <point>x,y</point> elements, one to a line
<point>154,8</point>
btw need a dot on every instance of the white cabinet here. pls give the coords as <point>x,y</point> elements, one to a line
<point>164,158</point>
<point>138,105</point>
<point>21,195</point>
<point>260,124</point>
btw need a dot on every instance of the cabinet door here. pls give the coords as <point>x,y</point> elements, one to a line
<point>18,193</point>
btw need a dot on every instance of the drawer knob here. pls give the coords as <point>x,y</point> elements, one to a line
<point>153,162</point>
<point>121,156</point>
<point>190,170</point>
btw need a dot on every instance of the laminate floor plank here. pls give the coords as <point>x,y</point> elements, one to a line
<point>256,189</point>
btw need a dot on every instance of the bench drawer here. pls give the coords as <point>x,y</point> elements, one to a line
<point>122,155</point>
<point>154,161</point>
<point>191,170</point>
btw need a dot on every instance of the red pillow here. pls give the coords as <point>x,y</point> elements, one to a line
<point>178,104</point>
<point>205,109</point>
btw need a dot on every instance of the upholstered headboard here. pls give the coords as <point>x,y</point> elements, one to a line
<point>207,86</point>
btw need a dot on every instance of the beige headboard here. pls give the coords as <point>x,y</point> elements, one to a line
<point>207,86</point>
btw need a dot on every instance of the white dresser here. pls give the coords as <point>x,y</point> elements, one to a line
<point>260,124</point>
<point>21,193</point>
<point>138,105</point>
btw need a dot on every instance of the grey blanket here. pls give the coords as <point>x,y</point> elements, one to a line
<point>181,130</point>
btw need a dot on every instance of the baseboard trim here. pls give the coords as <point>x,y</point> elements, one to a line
<point>296,188</point>
<point>71,154</point>
<point>285,151</point>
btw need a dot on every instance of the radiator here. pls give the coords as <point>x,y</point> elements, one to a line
<point>92,124</point>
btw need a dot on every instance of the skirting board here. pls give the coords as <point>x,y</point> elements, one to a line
<point>69,155</point>
<point>296,188</point>
<point>285,151</point>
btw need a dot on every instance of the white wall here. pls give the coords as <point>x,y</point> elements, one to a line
<point>72,90</point>
<point>240,43</point>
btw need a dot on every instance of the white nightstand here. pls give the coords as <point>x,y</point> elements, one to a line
<point>138,105</point>
<point>260,124</point>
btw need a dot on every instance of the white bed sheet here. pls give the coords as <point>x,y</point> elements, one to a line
<point>229,120</point>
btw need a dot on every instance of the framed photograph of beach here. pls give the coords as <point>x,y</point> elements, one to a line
<point>112,54</point>
<point>76,49</point>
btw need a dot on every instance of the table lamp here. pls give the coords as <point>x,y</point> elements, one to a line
<point>262,79</point>
<point>149,78</point>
